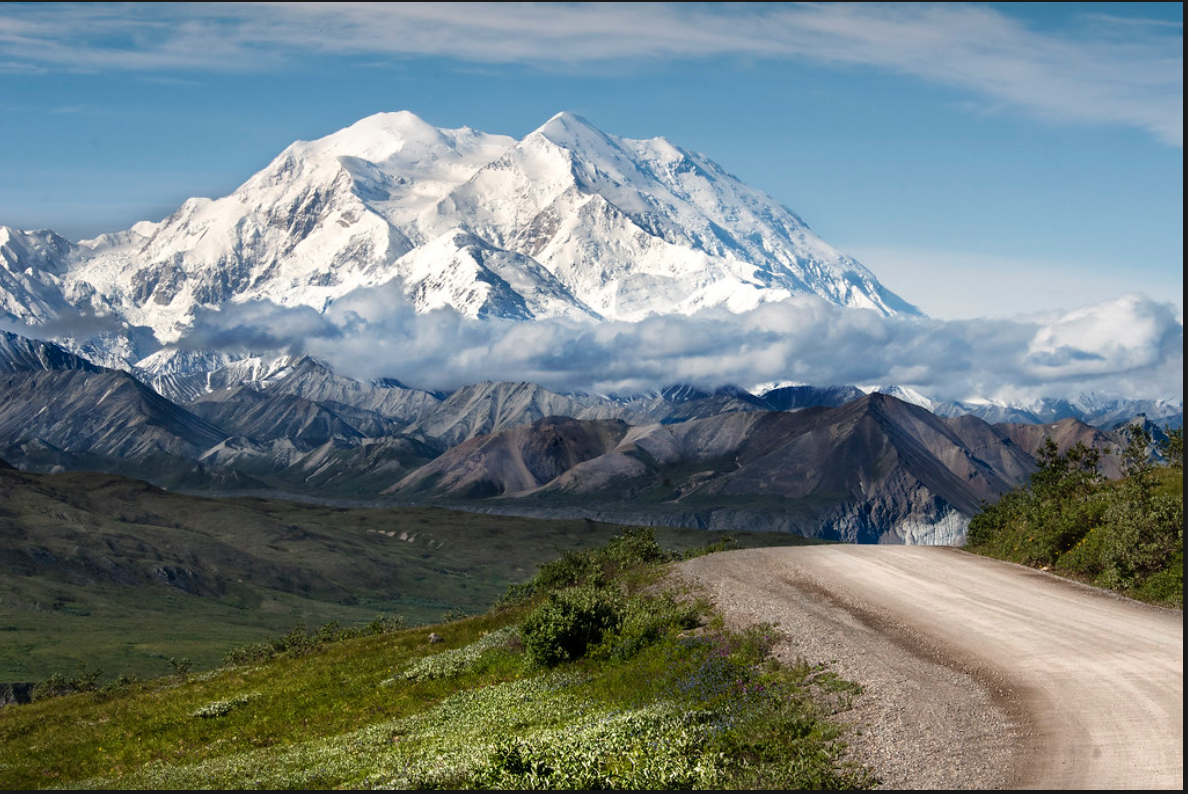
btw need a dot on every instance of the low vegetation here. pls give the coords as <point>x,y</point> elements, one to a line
<point>597,673</point>
<point>122,576</point>
<point>1126,535</point>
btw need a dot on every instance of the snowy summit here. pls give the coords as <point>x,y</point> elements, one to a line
<point>568,222</point>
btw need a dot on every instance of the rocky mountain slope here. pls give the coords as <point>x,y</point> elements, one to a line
<point>875,470</point>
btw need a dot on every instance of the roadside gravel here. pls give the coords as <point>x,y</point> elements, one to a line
<point>955,697</point>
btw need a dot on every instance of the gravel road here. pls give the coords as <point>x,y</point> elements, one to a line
<point>976,673</point>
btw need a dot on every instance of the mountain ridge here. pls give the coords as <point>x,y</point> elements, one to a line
<point>875,468</point>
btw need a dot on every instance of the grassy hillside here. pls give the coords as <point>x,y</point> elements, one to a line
<point>654,693</point>
<point>123,576</point>
<point>1126,535</point>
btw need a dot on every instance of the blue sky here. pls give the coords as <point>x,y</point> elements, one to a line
<point>984,160</point>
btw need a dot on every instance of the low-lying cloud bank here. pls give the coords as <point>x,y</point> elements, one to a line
<point>1128,347</point>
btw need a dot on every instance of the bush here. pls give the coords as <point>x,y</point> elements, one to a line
<point>566,625</point>
<point>298,642</point>
<point>631,548</point>
<point>86,680</point>
<point>221,708</point>
<point>119,684</point>
<point>1166,586</point>
<point>1126,535</point>
<point>456,661</point>
<point>1142,537</point>
<point>645,620</point>
<point>725,543</point>
<point>1173,448</point>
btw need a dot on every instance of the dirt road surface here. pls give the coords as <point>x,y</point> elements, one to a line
<point>976,673</point>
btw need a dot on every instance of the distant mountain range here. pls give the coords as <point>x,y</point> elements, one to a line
<point>571,224</point>
<point>828,462</point>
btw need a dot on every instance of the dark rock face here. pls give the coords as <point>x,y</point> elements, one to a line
<point>13,693</point>
<point>188,580</point>
<point>19,354</point>
<point>246,412</point>
<point>491,407</point>
<point>794,398</point>
<point>106,413</point>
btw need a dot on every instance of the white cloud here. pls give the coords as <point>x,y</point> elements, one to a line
<point>1128,347</point>
<point>1111,338</point>
<point>1112,72</point>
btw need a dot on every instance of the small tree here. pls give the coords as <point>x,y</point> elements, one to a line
<point>1173,448</point>
<point>1075,471</point>
<point>1055,511</point>
<point>1136,462</point>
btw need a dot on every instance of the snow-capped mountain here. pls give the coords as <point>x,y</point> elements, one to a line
<point>568,222</point>
<point>21,354</point>
<point>904,393</point>
<point>1089,408</point>
<point>31,269</point>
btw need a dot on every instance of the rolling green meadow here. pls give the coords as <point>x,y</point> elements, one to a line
<point>599,671</point>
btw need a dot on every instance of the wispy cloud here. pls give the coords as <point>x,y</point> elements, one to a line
<point>1111,72</point>
<point>1112,19</point>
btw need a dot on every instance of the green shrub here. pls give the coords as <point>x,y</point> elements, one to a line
<point>989,529</point>
<point>571,568</point>
<point>122,683</point>
<point>298,641</point>
<point>54,686</point>
<point>634,546</point>
<point>1119,535</point>
<point>1173,448</point>
<point>1087,556</point>
<point>221,708</point>
<point>566,625</point>
<point>657,747</point>
<point>645,620</point>
<point>631,548</point>
<point>456,661</point>
<point>1142,537</point>
<point>725,543</point>
<point>1166,586</point>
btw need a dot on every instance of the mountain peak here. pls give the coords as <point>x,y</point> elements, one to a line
<point>382,130</point>
<point>569,130</point>
<point>22,354</point>
<point>567,120</point>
